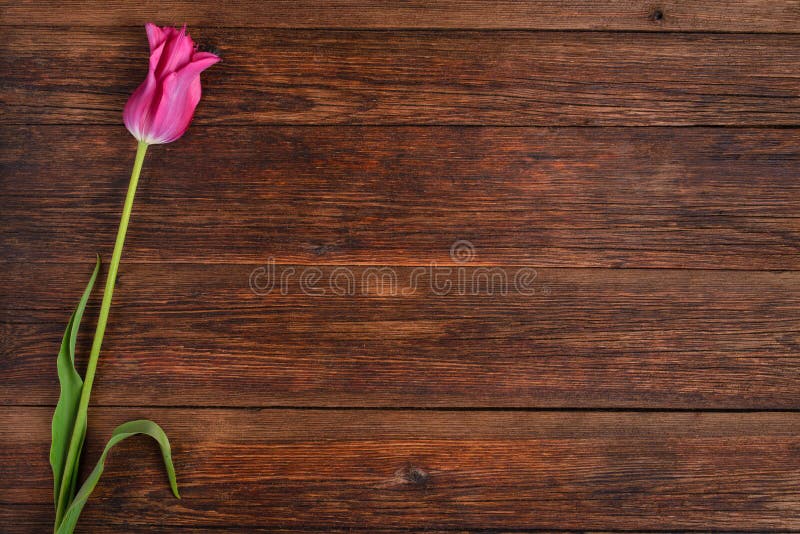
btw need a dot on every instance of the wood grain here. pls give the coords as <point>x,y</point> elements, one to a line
<point>668,15</point>
<point>418,77</point>
<point>640,15</point>
<point>427,469</point>
<point>361,137</point>
<point>695,198</point>
<point>196,335</point>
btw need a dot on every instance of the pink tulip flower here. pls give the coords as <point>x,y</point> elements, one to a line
<point>160,110</point>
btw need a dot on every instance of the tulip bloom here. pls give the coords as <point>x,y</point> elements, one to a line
<point>160,110</point>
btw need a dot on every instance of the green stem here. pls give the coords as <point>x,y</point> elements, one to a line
<point>78,431</point>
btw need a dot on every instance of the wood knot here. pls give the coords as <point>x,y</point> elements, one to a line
<point>657,15</point>
<point>415,476</point>
<point>207,47</point>
<point>321,250</point>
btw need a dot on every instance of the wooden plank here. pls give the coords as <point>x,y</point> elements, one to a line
<point>35,516</point>
<point>669,15</point>
<point>694,198</point>
<point>196,335</point>
<point>639,15</point>
<point>418,77</point>
<point>429,469</point>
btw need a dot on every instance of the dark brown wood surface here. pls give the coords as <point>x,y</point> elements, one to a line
<point>690,198</point>
<point>196,335</point>
<point>638,161</point>
<point>431,469</point>
<point>419,77</point>
<point>774,16</point>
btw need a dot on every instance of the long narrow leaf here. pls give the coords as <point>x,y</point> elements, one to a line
<point>120,433</point>
<point>71,384</point>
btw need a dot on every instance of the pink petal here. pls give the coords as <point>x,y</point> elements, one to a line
<point>177,53</point>
<point>202,56</point>
<point>138,109</point>
<point>200,62</point>
<point>155,35</point>
<point>180,95</point>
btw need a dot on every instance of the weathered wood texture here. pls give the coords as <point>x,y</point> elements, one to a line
<point>427,469</point>
<point>647,173</point>
<point>456,77</point>
<point>692,198</point>
<point>196,335</point>
<point>641,15</point>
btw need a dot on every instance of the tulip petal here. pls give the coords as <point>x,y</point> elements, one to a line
<point>155,36</point>
<point>177,53</point>
<point>137,112</point>
<point>180,96</point>
<point>205,56</point>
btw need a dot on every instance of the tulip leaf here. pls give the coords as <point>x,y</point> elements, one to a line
<point>125,430</point>
<point>71,384</point>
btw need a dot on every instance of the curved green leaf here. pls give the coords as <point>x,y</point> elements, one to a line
<point>120,433</point>
<point>71,384</point>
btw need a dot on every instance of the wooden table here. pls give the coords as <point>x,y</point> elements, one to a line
<point>637,159</point>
